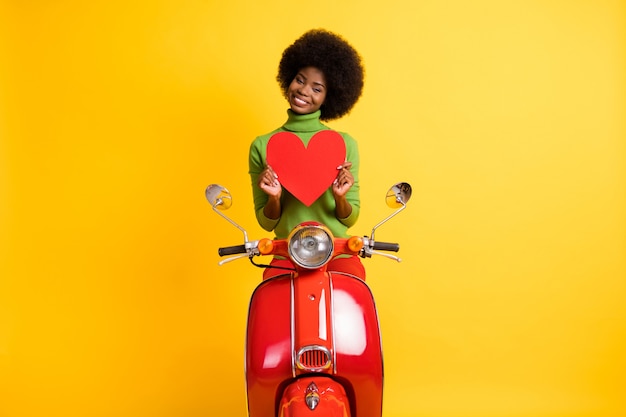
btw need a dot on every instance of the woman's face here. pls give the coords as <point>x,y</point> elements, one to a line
<point>307,91</point>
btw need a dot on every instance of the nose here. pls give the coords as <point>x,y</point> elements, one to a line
<point>304,90</point>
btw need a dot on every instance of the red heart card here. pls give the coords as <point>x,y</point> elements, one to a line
<point>306,172</point>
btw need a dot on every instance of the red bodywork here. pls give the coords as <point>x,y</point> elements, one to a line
<point>334,315</point>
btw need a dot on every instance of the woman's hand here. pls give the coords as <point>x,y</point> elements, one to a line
<point>341,185</point>
<point>344,180</point>
<point>268,182</point>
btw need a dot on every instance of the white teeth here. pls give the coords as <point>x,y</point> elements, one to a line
<point>299,101</point>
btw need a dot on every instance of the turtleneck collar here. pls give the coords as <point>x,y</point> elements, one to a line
<point>304,122</point>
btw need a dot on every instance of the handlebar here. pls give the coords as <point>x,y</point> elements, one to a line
<point>386,246</point>
<point>231,250</point>
<point>250,248</point>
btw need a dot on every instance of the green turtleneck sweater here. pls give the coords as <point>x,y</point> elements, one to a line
<point>293,212</point>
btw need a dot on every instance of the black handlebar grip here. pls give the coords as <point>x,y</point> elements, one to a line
<point>231,250</point>
<point>391,247</point>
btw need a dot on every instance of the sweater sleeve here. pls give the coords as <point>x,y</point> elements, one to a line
<point>353,195</point>
<point>256,164</point>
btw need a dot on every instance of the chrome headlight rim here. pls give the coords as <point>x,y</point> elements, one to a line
<point>321,236</point>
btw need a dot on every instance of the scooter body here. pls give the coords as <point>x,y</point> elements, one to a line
<point>315,332</point>
<point>313,345</point>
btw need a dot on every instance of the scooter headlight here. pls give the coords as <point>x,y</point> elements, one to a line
<point>310,245</point>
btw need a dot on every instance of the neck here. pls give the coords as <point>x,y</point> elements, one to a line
<point>303,122</point>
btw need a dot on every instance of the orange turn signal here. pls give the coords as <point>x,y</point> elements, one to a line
<point>266,246</point>
<point>355,243</point>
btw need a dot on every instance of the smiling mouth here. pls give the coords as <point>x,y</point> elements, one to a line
<point>299,102</point>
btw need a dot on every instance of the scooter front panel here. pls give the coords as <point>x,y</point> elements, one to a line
<point>347,326</point>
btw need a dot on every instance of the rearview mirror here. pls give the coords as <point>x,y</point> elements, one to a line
<point>398,195</point>
<point>218,197</point>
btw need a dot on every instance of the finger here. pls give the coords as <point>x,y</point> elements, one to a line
<point>271,171</point>
<point>271,178</point>
<point>273,175</point>
<point>343,181</point>
<point>347,165</point>
<point>345,175</point>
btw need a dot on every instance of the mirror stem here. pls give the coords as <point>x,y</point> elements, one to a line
<point>217,203</point>
<point>387,219</point>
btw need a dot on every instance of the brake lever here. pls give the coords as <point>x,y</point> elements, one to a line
<point>386,255</point>
<point>234,258</point>
<point>367,252</point>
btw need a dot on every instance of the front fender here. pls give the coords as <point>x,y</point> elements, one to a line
<point>314,396</point>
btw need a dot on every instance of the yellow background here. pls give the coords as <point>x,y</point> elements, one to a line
<point>507,117</point>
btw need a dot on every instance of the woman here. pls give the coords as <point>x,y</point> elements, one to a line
<point>321,76</point>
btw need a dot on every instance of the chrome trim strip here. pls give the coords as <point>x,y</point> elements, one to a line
<point>332,319</point>
<point>293,327</point>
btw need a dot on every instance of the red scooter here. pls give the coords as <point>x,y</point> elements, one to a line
<point>313,344</point>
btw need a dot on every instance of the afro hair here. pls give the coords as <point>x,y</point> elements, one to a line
<point>336,58</point>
